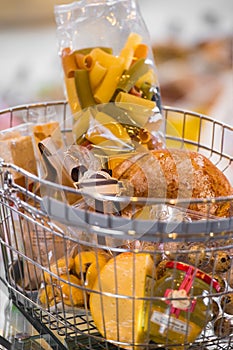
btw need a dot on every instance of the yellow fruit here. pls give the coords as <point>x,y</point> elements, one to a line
<point>48,295</point>
<point>71,295</point>
<point>122,318</point>
<point>83,260</point>
<point>94,269</point>
<point>60,267</point>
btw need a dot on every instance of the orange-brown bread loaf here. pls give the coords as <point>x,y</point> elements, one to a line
<point>176,174</point>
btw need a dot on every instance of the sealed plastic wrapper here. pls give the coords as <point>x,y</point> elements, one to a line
<point>106,57</point>
<point>114,130</point>
<point>16,147</point>
<point>182,314</point>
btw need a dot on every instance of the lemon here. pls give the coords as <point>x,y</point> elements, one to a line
<point>87,265</point>
<point>60,267</point>
<point>48,295</point>
<point>71,295</point>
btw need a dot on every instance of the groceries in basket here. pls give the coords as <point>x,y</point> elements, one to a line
<point>167,174</point>
<point>132,299</point>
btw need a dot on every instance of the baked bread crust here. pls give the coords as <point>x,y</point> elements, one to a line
<point>176,174</point>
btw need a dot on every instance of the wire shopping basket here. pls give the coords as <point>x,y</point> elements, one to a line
<point>106,281</point>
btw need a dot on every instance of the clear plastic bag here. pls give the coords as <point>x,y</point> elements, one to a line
<point>107,61</point>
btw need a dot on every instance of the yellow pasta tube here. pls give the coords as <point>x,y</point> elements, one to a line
<point>141,51</point>
<point>106,89</point>
<point>133,40</point>
<point>82,123</point>
<point>106,130</point>
<point>84,61</point>
<point>96,75</point>
<point>127,52</point>
<point>129,98</point>
<point>104,58</point>
<point>140,109</point>
<point>72,95</point>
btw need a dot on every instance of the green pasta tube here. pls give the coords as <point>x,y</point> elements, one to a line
<point>120,115</point>
<point>83,88</point>
<point>131,76</point>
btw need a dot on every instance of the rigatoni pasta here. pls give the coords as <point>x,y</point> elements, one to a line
<point>104,58</point>
<point>141,51</point>
<point>68,63</point>
<point>72,95</point>
<point>149,77</point>
<point>130,77</point>
<point>84,61</point>
<point>83,88</point>
<point>108,86</point>
<point>96,75</point>
<point>135,100</point>
<point>107,74</point>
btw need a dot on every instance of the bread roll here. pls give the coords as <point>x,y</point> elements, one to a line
<point>176,174</point>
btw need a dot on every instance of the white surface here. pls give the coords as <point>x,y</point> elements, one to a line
<point>187,20</point>
<point>28,62</point>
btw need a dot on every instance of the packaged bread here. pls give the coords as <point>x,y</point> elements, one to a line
<point>176,174</point>
<point>50,129</point>
<point>17,149</point>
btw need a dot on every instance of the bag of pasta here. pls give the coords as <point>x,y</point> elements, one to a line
<point>110,76</point>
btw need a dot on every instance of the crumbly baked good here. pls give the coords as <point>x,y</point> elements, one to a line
<point>50,129</point>
<point>176,174</point>
<point>17,149</point>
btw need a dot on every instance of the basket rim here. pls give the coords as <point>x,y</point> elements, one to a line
<point>65,103</point>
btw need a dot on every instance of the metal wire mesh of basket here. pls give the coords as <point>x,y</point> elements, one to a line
<point>103,280</point>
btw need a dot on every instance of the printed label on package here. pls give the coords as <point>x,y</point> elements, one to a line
<point>166,321</point>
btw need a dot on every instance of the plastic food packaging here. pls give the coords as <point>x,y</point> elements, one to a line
<point>181,316</point>
<point>100,40</point>
<point>110,76</point>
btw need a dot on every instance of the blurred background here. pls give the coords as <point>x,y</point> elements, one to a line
<point>192,45</point>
